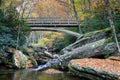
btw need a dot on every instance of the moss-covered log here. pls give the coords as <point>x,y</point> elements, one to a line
<point>88,50</point>
<point>88,38</point>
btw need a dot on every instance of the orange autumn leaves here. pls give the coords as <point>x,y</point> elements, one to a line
<point>49,8</point>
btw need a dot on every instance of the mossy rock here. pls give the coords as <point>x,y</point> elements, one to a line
<point>99,33</point>
<point>87,69</point>
<point>23,61</point>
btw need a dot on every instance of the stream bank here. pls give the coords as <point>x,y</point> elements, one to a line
<point>97,44</point>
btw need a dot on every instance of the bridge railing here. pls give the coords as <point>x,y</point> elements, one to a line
<point>51,21</point>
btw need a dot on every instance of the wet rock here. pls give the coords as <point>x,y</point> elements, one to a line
<point>42,55</point>
<point>23,61</point>
<point>95,69</point>
<point>52,71</point>
<point>115,58</point>
<point>41,49</point>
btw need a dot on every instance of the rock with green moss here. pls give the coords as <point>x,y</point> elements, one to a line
<point>23,61</point>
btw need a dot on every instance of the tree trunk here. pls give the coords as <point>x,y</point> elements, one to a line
<point>110,18</point>
<point>76,15</point>
<point>89,50</point>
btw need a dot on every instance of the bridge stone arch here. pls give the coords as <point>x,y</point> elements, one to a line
<point>56,30</point>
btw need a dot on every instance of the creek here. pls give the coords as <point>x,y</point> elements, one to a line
<point>34,75</point>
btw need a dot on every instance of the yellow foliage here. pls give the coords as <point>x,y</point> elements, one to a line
<point>48,32</point>
<point>49,41</point>
<point>43,41</point>
<point>53,36</point>
<point>57,35</point>
<point>85,15</point>
<point>35,15</point>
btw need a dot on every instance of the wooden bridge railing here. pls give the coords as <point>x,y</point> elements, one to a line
<point>47,22</point>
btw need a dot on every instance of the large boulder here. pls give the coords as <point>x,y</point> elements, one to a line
<point>23,61</point>
<point>40,54</point>
<point>95,69</point>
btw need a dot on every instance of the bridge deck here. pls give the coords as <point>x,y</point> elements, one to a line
<point>52,23</point>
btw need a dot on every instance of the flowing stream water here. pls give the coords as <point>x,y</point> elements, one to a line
<point>34,75</point>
